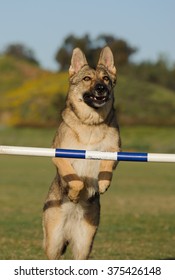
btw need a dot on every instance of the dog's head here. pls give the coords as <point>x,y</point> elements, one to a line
<point>92,89</point>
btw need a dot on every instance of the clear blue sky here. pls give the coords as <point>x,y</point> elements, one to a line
<point>43,24</point>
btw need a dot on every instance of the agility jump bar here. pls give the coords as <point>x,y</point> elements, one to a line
<point>85,154</point>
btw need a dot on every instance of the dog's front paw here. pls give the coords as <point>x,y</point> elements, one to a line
<point>73,196</point>
<point>74,190</point>
<point>103,186</point>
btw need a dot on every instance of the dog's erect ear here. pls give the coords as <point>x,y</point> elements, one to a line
<point>107,59</point>
<point>77,62</point>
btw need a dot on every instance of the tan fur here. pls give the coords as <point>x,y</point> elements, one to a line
<point>72,208</point>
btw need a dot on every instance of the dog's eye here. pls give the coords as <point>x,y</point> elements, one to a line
<point>106,78</point>
<point>87,78</point>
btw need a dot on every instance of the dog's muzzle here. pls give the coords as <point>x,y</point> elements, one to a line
<point>98,96</point>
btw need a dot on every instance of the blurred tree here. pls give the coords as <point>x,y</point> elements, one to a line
<point>158,72</point>
<point>120,48</point>
<point>22,52</point>
<point>63,55</point>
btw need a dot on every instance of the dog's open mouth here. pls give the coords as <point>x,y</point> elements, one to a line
<point>94,100</point>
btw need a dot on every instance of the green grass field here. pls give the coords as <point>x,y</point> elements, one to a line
<point>137,219</point>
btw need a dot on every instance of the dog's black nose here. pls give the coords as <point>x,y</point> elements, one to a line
<point>100,88</point>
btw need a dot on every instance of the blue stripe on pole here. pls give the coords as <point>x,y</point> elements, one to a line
<point>67,153</point>
<point>125,156</point>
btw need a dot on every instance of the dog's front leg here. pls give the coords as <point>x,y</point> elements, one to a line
<point>105,174</point>
<point>67,172</point>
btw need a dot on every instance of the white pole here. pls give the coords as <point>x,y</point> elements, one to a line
<point>27,151</point>
<point>83,154</point>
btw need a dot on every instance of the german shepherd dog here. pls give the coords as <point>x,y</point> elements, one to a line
<point>72,209</point>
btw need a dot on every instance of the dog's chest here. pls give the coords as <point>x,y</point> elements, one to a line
<point>86,168</point>
<point>91,137</point>
<point>92,140</point>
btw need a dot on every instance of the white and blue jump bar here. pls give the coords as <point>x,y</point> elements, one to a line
<point>85,154</point>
